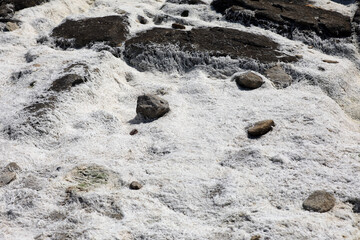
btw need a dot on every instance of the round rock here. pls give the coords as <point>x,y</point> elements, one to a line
<point>249,80</point>
<point>135,185</point>
<point>151,106</point>
<point>319,201</point>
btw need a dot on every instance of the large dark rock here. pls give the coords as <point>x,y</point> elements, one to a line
<point>249,80</point>
<point>151,106</point>
<point>21,4</point>
<point>191,2</point>
<point>319,201</point>
<point>154,45</point>
<point>285,16</point>
<point>112,30</point>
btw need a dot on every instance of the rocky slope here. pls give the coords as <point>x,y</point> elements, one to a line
<point>179,119</point>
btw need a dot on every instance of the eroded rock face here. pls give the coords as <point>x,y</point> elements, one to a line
<point>319,201</point>
<point>211,42</point>
<point>151,106</point>
<point>112,30</point>
<point>286,15</point>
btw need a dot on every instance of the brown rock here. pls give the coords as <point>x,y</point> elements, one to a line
<point>11,26</point>
<point>261,128</point>
<point>135,185</point>
<point>330,61</point>
<point>133,132</point>
<point>319,201</point>
<point>249,80</point>
<point>151,106</point>
<point>177,26</point>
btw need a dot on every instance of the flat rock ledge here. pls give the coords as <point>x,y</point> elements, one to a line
<point>285,16</point>
<point>160,44</point>
<point>111,30</point>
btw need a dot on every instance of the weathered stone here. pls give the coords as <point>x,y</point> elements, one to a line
<point>177,26</point>
<point>285,16</point>
<point>6,11</point>
<point>330,61</point>
<point>66,82</point>
<point>319,201</point>
<point>279,77</point>
<point>7,177</point>
<point>13,167</point>
<point>135,185</point>
<point>212,42</point>
<point>261,128</point>
<point>249,80</point>
<point>79,33</point>
<point>151,106</point>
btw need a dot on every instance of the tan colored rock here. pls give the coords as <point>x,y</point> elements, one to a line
<point>319,201</point>
<point>279,77</point>
<point>249,80</point>
<point>11,26</point>
<point>261,128</point>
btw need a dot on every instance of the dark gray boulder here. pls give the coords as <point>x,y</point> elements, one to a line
<point>151,106</point>
<point>319,201</point>
<point>66,82</point>
<point>190,2</point>
<point>249,80</point>
<point>285,16</point>
<point>111,30</point>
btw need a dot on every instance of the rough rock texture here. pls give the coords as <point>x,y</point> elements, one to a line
<point>21,4</point>
<point>79,33</point>
<point>13,167</point>
<point>278,76</point>
<point>261,128</point>
<point>287,15</point>
<point>135,185</point>
<point>215,42</point>
<point>356,204</point>
<point>66,82</point>
<point>319,201</point>
<point>151,106</point>
<point>249,80</point>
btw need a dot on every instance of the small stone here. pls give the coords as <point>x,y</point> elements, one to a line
<point>178,26</point>
<point>330,61</point>
<point>185,13</point>
<point>249,80</point>
<point>261,128</point>
<point>133,132</point>
<point>319,201</point>
<point>279,77</point>
<point>6,178</point>
<point>135,185</point>
<point>151,106</point>
<point>11,26</point>
<point>142,20</point>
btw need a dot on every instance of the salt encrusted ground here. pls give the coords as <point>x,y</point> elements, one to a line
<point>203,177</point>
